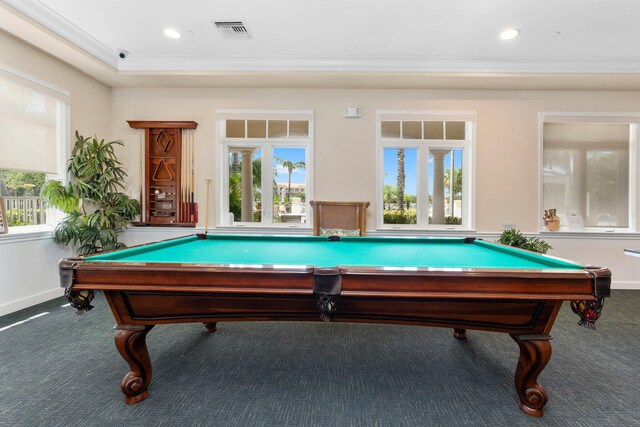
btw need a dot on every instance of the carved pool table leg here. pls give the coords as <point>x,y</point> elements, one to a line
<point>460,334</point>
<point>132,346</point>
<point>210,327</point>
<point>535,352</point>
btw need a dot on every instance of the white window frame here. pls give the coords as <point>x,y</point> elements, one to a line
<point>423,147</point>
<point>63,135</point>
<point>632,119</point>
<point>267,145</point>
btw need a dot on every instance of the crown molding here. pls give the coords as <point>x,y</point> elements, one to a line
<point>376,64</point>
<point>49,19</point>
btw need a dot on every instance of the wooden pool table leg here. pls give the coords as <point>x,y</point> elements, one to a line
<point>460,334</point>
<point>535,352</point>
<point>210,327</point>
<point>131,344</point>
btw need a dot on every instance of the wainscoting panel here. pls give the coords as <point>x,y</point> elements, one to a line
<point>29,270</point>
<point>602,252</point>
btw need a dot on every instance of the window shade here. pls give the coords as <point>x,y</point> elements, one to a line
<point>28,126</point>
<point>586,135</point>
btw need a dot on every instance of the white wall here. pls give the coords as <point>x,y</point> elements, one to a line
<point>28,263</point>
<point>507,145</point>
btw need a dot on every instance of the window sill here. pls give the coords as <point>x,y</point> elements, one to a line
<point>408,231</point>
<point>591,233</point>
<point>26,233</point>
<point>247,229</point>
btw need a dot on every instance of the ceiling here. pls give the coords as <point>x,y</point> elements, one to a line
<point>568,44</point>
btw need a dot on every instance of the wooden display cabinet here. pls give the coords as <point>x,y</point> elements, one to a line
<point>167,191</point>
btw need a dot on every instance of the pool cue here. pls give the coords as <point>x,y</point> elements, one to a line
<point>192,206</point>
<point>185,176</point>
<point>142,175</point>
<point>185,183</point>
<point>179,201</point>
<point>206,214</point>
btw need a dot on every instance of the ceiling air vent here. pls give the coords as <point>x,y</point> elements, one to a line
<point>232,29</point>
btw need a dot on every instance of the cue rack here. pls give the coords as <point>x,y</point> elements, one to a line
<point>167,173</point>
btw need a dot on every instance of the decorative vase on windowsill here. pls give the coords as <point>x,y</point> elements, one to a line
<point>551,220</point>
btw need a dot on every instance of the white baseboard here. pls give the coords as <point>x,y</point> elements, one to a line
<point>29,301</point>
<point>626,285</point>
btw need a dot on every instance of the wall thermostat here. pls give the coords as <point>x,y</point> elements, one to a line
<point>352,113</point>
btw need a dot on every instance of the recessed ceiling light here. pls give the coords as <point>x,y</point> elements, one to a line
<point>171,33</point>
<point>509,34</point>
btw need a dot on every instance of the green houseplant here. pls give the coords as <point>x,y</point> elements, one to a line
<point>513,237</point>
<point>96,211</point>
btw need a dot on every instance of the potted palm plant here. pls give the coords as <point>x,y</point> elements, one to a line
<point>96,211</point>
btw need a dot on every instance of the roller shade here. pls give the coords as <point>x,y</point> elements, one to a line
<point>587,135</point>
<point>29,118</point>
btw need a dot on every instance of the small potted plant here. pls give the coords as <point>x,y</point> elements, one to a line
<point>515,238</point>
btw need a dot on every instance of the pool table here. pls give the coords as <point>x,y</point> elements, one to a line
<point>457,283</point>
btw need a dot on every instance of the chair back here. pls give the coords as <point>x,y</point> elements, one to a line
<point>339,218</point>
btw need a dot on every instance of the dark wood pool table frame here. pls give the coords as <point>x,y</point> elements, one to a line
<point>522,303</point>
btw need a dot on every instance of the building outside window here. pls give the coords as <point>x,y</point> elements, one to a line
<point>589,170</point>
<point>425,170</point>
<point>33,145</point>
<point>268,168</point>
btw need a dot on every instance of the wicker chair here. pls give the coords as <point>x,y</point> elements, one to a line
<point>339,218</point>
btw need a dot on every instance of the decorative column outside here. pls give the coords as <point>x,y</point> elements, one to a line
<point>437,215</point>
<point>247,187</point>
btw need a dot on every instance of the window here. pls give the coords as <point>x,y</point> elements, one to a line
<point>33,135</point>
<point>425,170</point>
<point>588,167</point>
<point>267,176</point>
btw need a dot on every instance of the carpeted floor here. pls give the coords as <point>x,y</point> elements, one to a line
<point>63,370</point>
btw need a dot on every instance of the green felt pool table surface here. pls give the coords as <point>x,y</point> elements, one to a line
<point>321,252</point>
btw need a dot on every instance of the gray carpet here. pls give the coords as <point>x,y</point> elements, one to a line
<point>64,370</point>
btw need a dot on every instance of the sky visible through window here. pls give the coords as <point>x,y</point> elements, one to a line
<point>294,155</point>
<point>390,166</point>
<point>410,165</point>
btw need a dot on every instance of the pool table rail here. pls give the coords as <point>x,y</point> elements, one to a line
<point>557,284</point>
<point>509,301</point>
